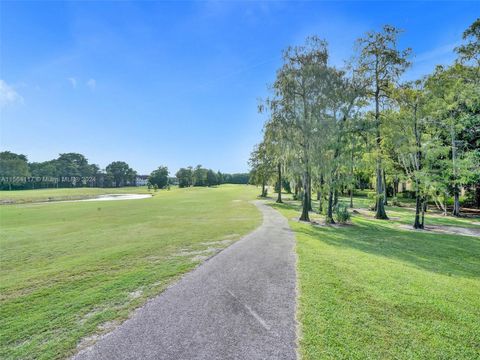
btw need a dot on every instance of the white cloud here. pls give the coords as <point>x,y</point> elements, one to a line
<point>425,62</point>
<point>437,54</point>
<point>8,95</point>
<point>72,81</point>
<point>92,84</point>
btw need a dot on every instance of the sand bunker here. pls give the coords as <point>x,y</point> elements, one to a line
<point>371,214</point>
<point>112,197</point>
<point>106,197</point>
<point>443,229</point>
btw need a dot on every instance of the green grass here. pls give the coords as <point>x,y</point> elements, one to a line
<point>41,195</point>
<point>373,291</point>
<point>69,269</point>
<point>406,215</point>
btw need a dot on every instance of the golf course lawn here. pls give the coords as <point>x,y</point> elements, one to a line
<point>73,269</point>
<point>371,290</point>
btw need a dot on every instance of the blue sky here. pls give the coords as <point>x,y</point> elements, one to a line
<point>177,83</point>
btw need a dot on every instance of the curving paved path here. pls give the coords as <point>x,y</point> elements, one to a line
<point>240,304</point>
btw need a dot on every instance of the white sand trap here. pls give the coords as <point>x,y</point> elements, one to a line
<point>112,197</point>
<point>439,229</point>
<point>106,197</point>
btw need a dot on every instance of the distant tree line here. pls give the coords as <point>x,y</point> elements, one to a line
<point>200,176</point>
<point>68,170</point>
<point>74,170</point>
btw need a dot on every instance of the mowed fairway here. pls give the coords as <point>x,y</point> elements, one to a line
<point>374,291</point>
<point>70,270</point>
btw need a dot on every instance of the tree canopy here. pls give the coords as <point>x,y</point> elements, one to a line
<point>330,130</point>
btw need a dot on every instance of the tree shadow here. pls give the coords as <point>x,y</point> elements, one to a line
<point>440,253</point>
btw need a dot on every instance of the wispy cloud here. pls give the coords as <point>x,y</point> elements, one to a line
<point>92,84</point>
<point>424,63</point>
<point>8,95</point>
<point>73,82</point>
<point>437,54</point>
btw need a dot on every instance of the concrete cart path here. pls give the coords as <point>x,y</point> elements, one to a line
<point>240,304</point>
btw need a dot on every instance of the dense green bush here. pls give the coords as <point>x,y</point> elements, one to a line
<point>341,213</point>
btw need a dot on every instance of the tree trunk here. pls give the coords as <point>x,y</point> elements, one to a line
<point>380,207</point>
<point>279,198</point>
<point>352,174</point>
<point>309,193</point>
<point>295,191</point>
<point>456,201</point>
<point>379,203</point>
<point>445,204</point>
<point>320,196</point>
<point>329,219</point>
<point>395,186</point>
<point>424,209</point>
<point>335,197</point>
<point>263,189</point>
<point>477,195</point>
<point>385,192</point>
<point>456,190</point>
<point>305,205</point>
<point>418,207</point>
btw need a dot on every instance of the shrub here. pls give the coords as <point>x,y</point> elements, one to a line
<point>341,214</point>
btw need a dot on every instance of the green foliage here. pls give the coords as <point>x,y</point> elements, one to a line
<point>185,177</point>
<point>336,129</point>
<point>341,213</point>
<point>212,178</point>
<point>237,178</point>
<point>68,170</point>
<point>11,166</point>
<point>470,50</point>
<point>262,166</point>
<point>159,177</point>
<point>207,177</point>
<point>285,186</point>
<point>118,174</point>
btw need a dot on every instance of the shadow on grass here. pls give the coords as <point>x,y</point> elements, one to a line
<point>287,205</point>
<point>441,253</point>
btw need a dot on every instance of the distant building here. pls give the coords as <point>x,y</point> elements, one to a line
<point>141,180</point>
